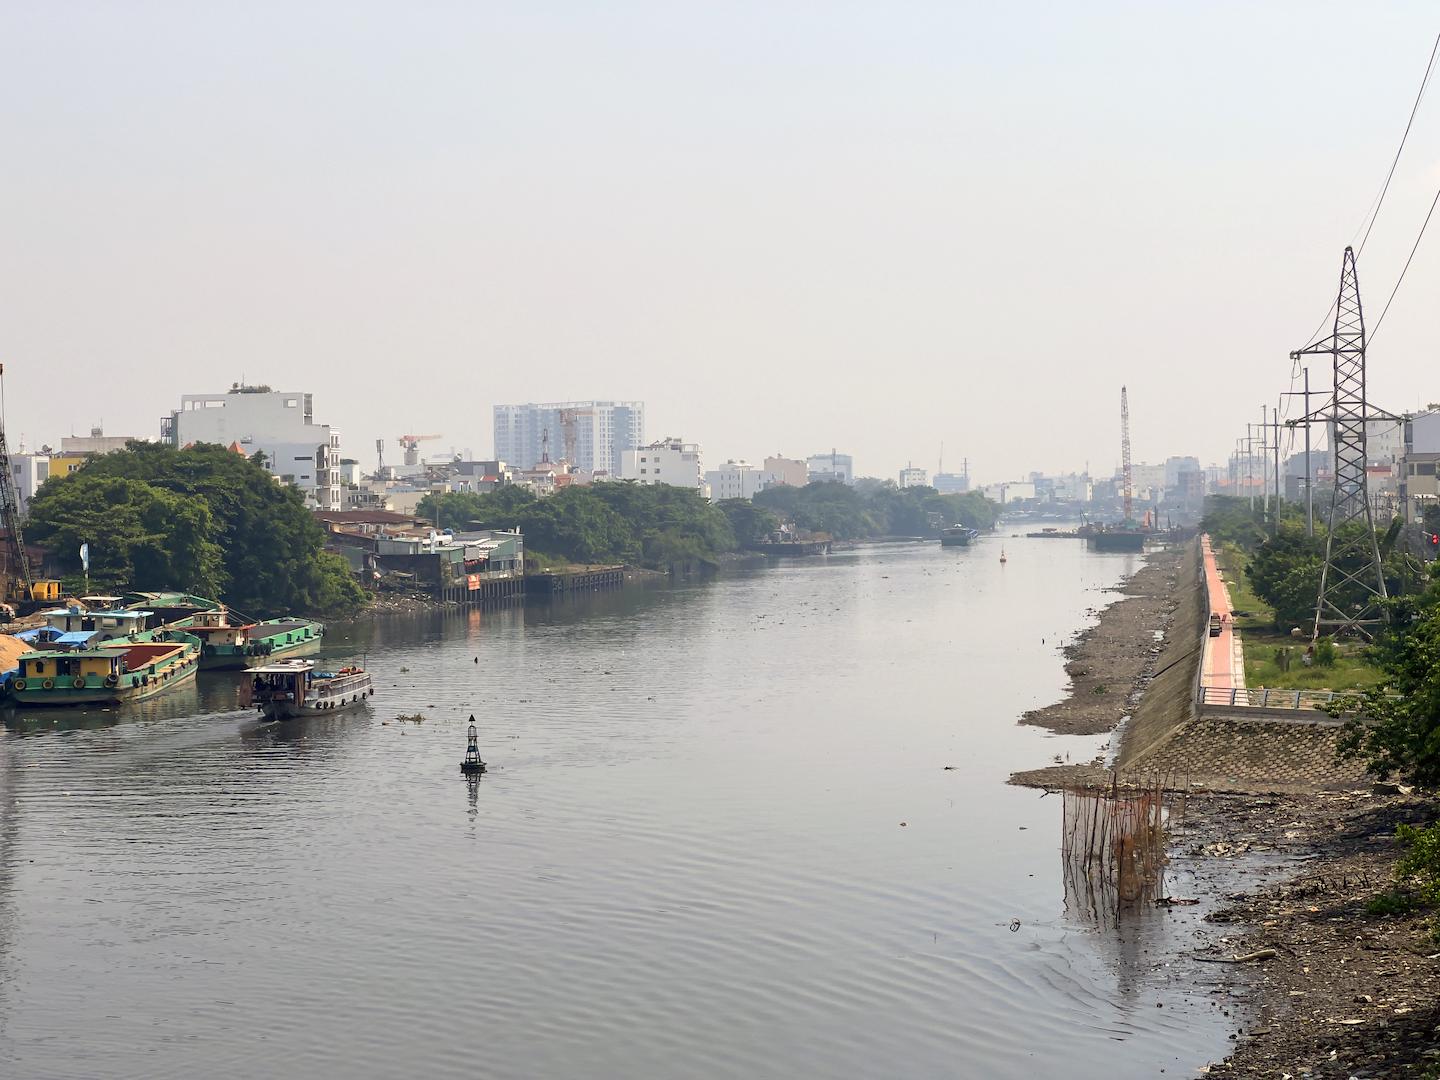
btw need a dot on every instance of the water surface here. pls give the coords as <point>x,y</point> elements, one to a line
<point>717,840</point>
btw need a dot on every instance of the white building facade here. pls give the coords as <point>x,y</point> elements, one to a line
<point>592,435</point>
<point>737,480</point>
<point>832,466</point>
<point>28,472</point>
<point>910,476</point>
<point>669,461</point>
<point>279,425</point>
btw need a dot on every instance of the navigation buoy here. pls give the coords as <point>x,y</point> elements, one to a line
<point>1002,555</point>
<point>472,762</point>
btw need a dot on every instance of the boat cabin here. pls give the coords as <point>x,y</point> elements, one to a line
<point>284,680</point>
<point>101,663</point>
<point>215,628</point>
<point>109,624</point>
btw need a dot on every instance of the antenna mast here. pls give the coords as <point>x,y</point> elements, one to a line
<point>1352,582</point>
<point>1126,472</point>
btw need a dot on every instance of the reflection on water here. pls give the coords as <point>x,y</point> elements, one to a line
<point>1113,849</point>
<point>687,858</point>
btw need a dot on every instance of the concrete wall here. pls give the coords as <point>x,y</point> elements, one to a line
<point>1169,700</point>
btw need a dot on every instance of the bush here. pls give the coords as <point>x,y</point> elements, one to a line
<point>1325,653</point>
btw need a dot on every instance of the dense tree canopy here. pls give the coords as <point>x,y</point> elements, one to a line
<point>883,509</point>
<point>655,525</point>
<point>204,520</point>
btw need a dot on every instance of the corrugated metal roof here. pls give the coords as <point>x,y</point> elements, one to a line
<point>76,637</point>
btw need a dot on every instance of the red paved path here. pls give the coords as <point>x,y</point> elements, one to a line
<point>1217,666</point>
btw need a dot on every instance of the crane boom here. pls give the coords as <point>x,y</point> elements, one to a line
<point>1127,474</point>
<point>19,562</point>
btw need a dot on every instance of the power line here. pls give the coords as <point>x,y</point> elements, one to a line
<point>1380,199</point>
<point>1406,267</point>
<point>1429,67</point>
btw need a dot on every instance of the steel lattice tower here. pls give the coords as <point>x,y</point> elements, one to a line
<point>1352,555</point>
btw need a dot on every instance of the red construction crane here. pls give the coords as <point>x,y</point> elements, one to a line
<point>411,443</point>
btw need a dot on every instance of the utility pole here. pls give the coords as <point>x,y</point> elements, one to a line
<point>1309,482</point>
<point>1352,555</point>
<point>1250,464</point>
<point>1279,493</point>
<point>1264,464</point>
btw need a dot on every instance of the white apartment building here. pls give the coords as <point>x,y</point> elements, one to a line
<point>737,480</point>
<point>831,466</point>
<point>28,472</point>
<point>278,424</point>
<point>669,461</point>
<point>589,434</point>
<point>910,476</point>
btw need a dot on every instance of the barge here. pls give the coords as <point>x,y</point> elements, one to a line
<point>230,646</point>
<point>111,673</point>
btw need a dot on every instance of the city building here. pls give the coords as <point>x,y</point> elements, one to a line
<point>947,483</point>
<point>737,480</point>
<point>832,466</point>
<point>910,476</point>
<point>789,471</point>
<point>28,472</point>
<point>669,461</point>
<point>1009,492</point>
<point>97,442</point>
<point>277,424</point>
<point>590,435</point>
<point>1175,466</point>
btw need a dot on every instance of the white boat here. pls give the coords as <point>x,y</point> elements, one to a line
<point>291,688</point>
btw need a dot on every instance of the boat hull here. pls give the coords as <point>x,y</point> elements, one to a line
<point>955,541</point>
<point>1116,541</point>
<point>289,710</point>
<point>239,661</point>
<point>65,694</point>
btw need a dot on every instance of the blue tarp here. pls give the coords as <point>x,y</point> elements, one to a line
<point>39,633</point>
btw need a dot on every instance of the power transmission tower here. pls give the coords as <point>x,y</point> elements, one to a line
<point>1352,555</point>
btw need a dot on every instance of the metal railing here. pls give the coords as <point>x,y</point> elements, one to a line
<point>1230,697</point>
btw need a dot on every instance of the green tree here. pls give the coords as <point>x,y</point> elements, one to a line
<point>1396,725</point>
<point>270,546</point>
<point>140,536</point>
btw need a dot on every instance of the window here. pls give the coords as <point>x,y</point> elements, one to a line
<point>642,472</point>
<point>292,403</point>
<point>288,478</point>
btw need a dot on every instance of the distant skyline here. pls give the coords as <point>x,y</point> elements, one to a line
<point>784,228</point>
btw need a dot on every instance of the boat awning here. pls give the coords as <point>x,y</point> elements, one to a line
<point>77,638</point>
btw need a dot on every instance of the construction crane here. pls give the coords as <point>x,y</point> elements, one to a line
<point>568,433</point>
<point>21,588</point>
<point>1127,473</point>
<point>411,445</point>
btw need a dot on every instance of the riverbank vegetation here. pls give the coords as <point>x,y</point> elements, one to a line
<point>657,526</point>
<point>869,510</point>
<point>660,526</point>
<point>203,520</point>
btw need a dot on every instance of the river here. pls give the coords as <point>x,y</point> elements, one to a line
<point>717,839</point>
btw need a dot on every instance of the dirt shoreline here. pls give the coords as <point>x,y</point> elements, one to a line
<point>1108,663</point>
<point>1345,993</point>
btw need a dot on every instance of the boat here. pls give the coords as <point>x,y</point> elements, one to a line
<point>110,673</point>
<point>231,646</point>
<point>957,535</point>
<point>1002,555</point>
<point>292,688</point>
<point>1116,539</point>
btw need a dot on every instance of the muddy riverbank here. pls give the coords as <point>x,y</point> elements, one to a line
<point>1339,992</point>
<point>1109,663</point>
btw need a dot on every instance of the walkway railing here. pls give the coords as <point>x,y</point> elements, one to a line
<point>1233,698</point>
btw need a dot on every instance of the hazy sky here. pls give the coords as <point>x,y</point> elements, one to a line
<point>784,226</point>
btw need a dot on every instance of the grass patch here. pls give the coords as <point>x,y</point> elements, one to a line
<point>1352,670</point>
